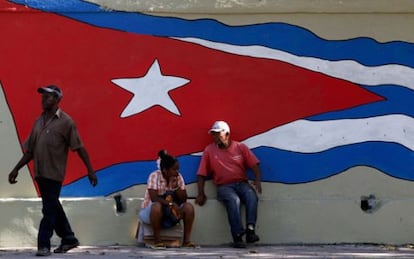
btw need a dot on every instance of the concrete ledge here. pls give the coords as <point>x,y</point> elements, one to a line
<point>96,222</point>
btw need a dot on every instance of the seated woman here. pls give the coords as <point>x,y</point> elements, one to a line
<point>166,200</point>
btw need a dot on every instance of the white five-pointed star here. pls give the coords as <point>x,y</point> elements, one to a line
<point>150,90</point>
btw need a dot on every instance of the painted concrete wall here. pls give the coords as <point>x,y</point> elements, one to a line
<point>315,181</point>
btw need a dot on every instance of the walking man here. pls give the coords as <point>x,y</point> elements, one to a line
<point>53,134</point>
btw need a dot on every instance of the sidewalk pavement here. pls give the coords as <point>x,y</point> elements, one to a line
<point>259,251</point>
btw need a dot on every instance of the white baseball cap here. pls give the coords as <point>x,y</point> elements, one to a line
<point>220,126</point>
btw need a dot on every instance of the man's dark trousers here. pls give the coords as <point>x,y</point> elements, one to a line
<point>54,218</point>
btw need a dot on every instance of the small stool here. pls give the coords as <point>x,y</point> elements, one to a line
<point>171,237</point>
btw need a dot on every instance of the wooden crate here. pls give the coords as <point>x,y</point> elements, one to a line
<point>172,237</point>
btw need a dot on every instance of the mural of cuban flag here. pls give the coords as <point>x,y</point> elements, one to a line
<point>309,108</point>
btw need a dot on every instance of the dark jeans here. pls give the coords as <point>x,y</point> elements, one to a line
<point>54,218</point>
<point>232,196</point>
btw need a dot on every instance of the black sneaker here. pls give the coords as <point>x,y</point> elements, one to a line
<point>238,242</point>
<point>43,251</point>
<point>63,248</point>
<point>251,236</point>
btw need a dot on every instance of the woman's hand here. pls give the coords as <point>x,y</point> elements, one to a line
<point>173,185</point>
<point>176,211</point>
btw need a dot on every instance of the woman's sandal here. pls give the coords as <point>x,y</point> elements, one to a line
<point>190,245</point>
<point>157,246</point>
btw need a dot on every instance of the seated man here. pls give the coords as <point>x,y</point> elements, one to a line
<point>165,202</point>
<point>227,160</point>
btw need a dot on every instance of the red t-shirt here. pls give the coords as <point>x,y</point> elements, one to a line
<point>227,165</point>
